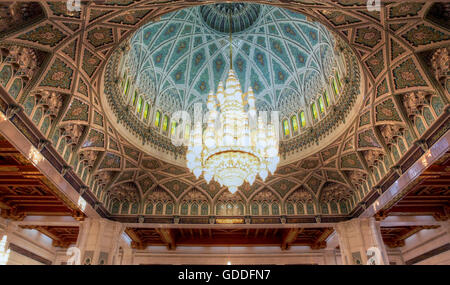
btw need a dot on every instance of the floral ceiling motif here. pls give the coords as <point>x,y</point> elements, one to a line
<point>407,93</point>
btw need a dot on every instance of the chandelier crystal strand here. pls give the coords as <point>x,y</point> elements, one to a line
<point>236,145</point>
<point>232,150</point>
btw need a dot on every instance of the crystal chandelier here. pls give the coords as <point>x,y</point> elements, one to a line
<point>236,145</point>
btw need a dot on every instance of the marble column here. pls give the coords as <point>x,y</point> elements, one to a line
<point>356,236</point>
<point>98,241</point>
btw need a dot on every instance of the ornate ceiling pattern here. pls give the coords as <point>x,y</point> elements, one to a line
<point>403,51</point>
<point>180,58</point>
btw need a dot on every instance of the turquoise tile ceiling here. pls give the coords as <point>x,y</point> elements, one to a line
<point>177,60</point>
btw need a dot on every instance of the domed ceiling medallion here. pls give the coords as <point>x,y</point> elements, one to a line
<point>244,15</point>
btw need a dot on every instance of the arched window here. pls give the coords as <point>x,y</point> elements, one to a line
<point>275,209</point>
<point>229,209</point>
<point>338,79</point>
<point>15,87</point>
<point>5,75</point>
<point>146,110</point>
<point>173,128</point>
<point>335,87</point>
<point>184,209</point>
<point>157,119</point>
<point>165,123</point>
<point>139,105</point>
<point>169,209</point>
<point>314,111</point>
<point>124,79</point>
<point>219,209</point>
<point>115,207</point>
<point>265,209</point>
<point>334,208</point>
<point>134,208</point>
<point>294,124</point>
<point>321,106</point>
<point>290,209</point>
<point>302,119</point>
<point>310,208</point>
<point>204,209</point>
<point>240,207</point>
<point>285,127</point>
<point>125,208</point>
<point>194,209</point>
<point>134,100</point>
<point>327,99</point>
<point>300,209</point>
<point>125,90</point>
<point>149,208</point>
<point>343,206</point>
<point>255,209</point>
<point>159,209</point>
<point>324,207</point>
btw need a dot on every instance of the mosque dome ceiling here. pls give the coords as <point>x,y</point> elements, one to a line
<point>69,64</point>
<point>285,57</point>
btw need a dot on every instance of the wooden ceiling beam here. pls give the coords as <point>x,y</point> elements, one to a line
<point>289,236</point>
<point>167,237</point>
<point>320,241</point>
<point>136,241</point>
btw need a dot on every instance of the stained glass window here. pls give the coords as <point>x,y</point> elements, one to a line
<point>324,207</point>
<point>321,106</point>
<point>309,208</point>
<point>149,209</point>
<point>294,124</point>
<point>327,99</point>
<point>169,209</point>
<point>338,80</point>
<point>335,88</point>
<point>194,209</point>
<point>286,127</point>
<point>147,108</point>
<point>134,98</point>
<point>165,123</point>
<point>265,209</point>
<point>134,208</point>
<point>115,207</point>
<point>275,209</point>
<point>302,119</point>
<point>290,209</point>
<point>125,208</point>
<point>123,79</point>
<point>343,206</point>
<point>314,111</point>
<point>139,106</point>
<point>184,209</point>
<point>300,209</point>
<point>159,209</point>
<point>157,118</point>
<point>255,210</point>
<point>204,209</point>
<point>173,127</point>
<point>334,208</point>
<point>125,91</point>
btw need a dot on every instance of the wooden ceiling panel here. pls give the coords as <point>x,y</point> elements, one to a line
<point>24,191</point>
<point>313,237</point>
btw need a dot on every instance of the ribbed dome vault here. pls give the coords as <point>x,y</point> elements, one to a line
<point>282,55</point>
